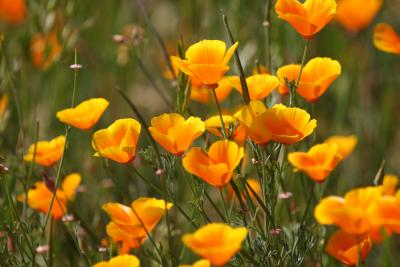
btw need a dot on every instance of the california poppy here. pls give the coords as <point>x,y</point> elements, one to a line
<point>308,18</point>
<point>386,39</point>
<point>345,144</point>
<point>174,133</point>
<point>247,113</point>
<point>259,85</point>
<point>84,115</point>
<point>287,73</point>
<point>199,263</point>
<point>318,162</point>
<point>216,242</point>
<point>215,166</point>
<point>351,213</point>
<point>40,196</point>
<point>355,15</point>
<point>347,247</point>
<point>47,152</point>
<point>202,94</point>
<point>117,142</point>
<point>318,74</point>
<point>45,49</point>
<point>12,11</point>
<point>237,131</point>
<point>130,224</point>
<point>120,261</point>
<point>283,125</point>
<point>207,60</point>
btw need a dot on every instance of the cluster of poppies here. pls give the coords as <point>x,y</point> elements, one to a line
<point>361,214</point>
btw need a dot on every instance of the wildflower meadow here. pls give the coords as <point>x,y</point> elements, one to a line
<point>182,133</point>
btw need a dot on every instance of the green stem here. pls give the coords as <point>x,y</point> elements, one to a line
<point>267,25</point>
<point>294,89</point>
<point>245,89</point>
<point>67,130</point>
<point>224,135</point>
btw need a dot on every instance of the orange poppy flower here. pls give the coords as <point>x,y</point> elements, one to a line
<point>117,142</point>
<point>215,166</point>
<point>202,94</point>
<point>348,247</point>
<point>199,263</point>
<point>206,60</point>
<point>318,74</point>
<point>12,11</point>
<point>216,242</point>
<point>283,125</point>
<point>248,113</point>
<point>356,15</point>
<point>318,162</point>
<point>45,49</point>
<point>239,134</point>
<point>287,73</point>
<point>127,222</point>
<point>174,133</point>
<point>40,196</point>
<point>386,39</point>
<point>259,85</point>
<point>351,213</point>
<point>47,152</point>
<point>308,18</point>
<point>84,115</point>
<point>345,144</point>
<point>120,261</point>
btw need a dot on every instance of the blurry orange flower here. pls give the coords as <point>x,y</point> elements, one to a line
<point>356,15</point>
<point>347,247</point>
<point>117,142</point>
<point>45,49</point>
<point>129,224</point>
<point>389,185</point>
<point>47,152</point>
<point>386,39</point>
<point>253,184</point>
<point>260,69</point>
<point>174,133</point>
<point>308,18</point>
<point>248,113</point>
<point>345,144</point>
<point>202,94</point>
<point>215,166</point>
<point>259,85</point>
<point>206,60</point>
<point>199,263</point>
<point>84,115</point>
<point>40,196</point>
<point>239,134</point>
<point>3,105</point>
<point>318,74</point>
<point>351,213</point>
<point>12,11</point>
<point>283,125</point>
<point>318,162</point>
<point>216,242</point>
<point>120,261</point>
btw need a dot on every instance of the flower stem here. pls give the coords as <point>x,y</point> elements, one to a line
<point>224,135</point>
<point>245,89</point>
<point>293,90</point>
